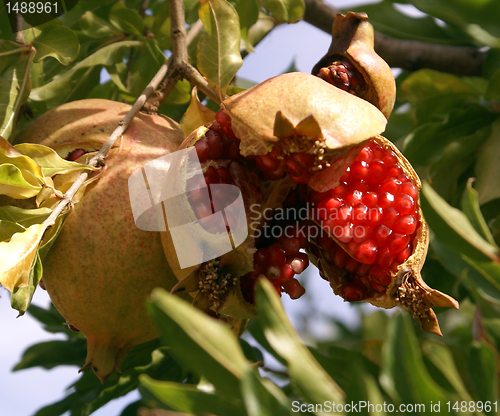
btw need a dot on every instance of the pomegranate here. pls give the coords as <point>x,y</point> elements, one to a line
<point>269,152</point>
<point>286,150</point>
<point>352,64</point>
<point>102,268</point>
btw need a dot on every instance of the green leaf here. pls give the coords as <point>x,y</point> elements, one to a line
<point>24,217</point>
<point>20,258</point>
<point>476,18</point>
<point>387,19</point>
<point>404,375</point>
<point>285,11</point>
<point>257,332</point>
<point>196,114</point>
<point>13,183</point>
<point>461,266</point>
<point>14,84</point>
<point>95,27</point>
<point>259,401</point>
<point>434,94</point>
<point>127,20</point>
<point>489,270</point>
<point>482,365</point>
<point>52,354</point>
<point>57,41</point>
<point>458,135</point>
<point>161,26</point>
<point>48,159</point>
<point>490,318</point>
<point>452,227</point>
<point>442,358</point>
<point>189,399</point>
<point>248,13</point>
<point>470,207</point>
<point>260,29</point>
<point>308,378</point>
<point>487,166</point>
<point>252,354</point>
<point>203,345</point>
<point>49,317</point>
<point>219,47</point>
<point>32,173</point>
<point>105,56</point>
<point>144,358</point>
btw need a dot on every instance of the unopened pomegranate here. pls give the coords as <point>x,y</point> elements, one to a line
<point>102,268</point>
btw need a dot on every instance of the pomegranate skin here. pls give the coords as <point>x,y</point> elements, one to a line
<point>102,268</point>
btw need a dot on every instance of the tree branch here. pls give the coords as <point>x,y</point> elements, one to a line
<point>406,54</point>
<point>18,34</point>
<point>179,68</point>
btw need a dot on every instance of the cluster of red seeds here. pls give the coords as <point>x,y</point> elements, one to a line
<point>298,165</point>
<point>206,199</point>
<point>219,141</point>
<point>279,262</point>
<point>343,75</point>
<point>374,212</point>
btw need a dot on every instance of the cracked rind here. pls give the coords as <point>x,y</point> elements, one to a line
<point>353,39</point>
<point>407,289</point>
<point>309,105</point>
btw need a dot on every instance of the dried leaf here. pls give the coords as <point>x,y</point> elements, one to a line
<point>196,114</point>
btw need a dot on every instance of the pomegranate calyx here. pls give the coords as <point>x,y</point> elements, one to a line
<point>307,127</point>
<point>351,55</point>
<point>414,295</point>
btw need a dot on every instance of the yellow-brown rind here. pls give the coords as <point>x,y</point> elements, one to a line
<point>299,104</point>
<point>353,40</point>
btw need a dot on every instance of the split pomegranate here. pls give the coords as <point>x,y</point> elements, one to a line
<point>365,230</point>
<point>268,172</point>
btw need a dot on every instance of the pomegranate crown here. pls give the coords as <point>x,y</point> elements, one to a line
<point>352,48</point>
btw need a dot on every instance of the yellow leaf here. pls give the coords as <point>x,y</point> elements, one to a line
<point>32,173</point>
<point>196,114</point>
<point>18,256</point>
